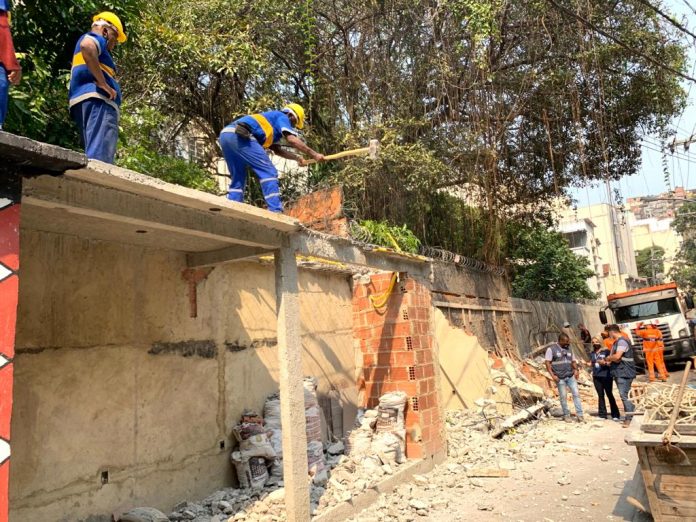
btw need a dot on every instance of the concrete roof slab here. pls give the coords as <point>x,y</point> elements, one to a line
<point>125,180</point>
<point>35,155</point>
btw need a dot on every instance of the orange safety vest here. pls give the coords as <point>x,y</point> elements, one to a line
<point>652,338</point>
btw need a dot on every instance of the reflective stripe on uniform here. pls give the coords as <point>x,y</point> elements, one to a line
<point>267,129</point>
<point>268,179</point>
<point>275,194</point>
<point>79,59</point>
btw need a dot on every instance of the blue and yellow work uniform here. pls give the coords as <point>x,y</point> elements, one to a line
<point>8,60</point>
<point>267,128</point>
<point>95,114</point>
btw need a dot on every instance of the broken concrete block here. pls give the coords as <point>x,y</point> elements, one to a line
<point>144,514</point>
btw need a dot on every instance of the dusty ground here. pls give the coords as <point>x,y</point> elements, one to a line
<point>562,472</point>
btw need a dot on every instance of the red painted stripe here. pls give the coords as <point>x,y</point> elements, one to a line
<point>9,296</point>
<point>9,236</point>
<point>6,382</point>
<point>4,491</point>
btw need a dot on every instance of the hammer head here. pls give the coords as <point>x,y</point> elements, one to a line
<point>374,149</point>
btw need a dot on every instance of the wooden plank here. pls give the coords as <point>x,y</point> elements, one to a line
<point>678,488</point>
<point>649,481</point>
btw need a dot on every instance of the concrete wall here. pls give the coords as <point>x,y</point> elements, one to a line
<point>538,322</point>
<point>112,375</point>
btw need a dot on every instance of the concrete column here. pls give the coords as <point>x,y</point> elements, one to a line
<point>292,413</point>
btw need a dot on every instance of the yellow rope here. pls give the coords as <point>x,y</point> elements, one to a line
<point>380,301</point>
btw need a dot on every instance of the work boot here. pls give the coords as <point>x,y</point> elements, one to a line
<point>566,418</point>
<point>580,419</point>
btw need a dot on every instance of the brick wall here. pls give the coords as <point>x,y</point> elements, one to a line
<point>396,346</point>
<point>321,210</point>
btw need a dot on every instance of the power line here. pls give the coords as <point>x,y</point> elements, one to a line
<point>620,42</point>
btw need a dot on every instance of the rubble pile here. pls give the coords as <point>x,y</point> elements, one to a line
<point>373,451</point>
<point>479,465</point>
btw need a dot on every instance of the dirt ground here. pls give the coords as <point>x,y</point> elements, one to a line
<point>578,472</point>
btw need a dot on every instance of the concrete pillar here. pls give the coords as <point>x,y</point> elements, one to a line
<point>292,413</point>
<point>9,295</point>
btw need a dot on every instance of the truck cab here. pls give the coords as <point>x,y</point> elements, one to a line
<point>660,305</point>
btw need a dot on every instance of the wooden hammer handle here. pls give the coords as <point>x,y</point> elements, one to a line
<point>338,155</point>
<point>667,437</point>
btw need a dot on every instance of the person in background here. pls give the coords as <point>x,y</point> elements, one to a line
<point>95,95</point>
<point>653,350</point>
<point>561,364</point>
<point>623,369</point>
<point>10,70</point>
<point>585,337</point>
<point>603,383</point>
<point>606,339</point>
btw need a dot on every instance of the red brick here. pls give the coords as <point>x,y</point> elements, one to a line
<point>426,434</point>
<point>413,449</point>
<point>376,373</point>
<point>398,330</point>
<point>402,358</point>
<point>373,389</point>
<point>399,374</point>
<point>389,344</point>
<point>369,360</point>
<point>428,370</point>
<point>412,419</point>
<point>408,387</point>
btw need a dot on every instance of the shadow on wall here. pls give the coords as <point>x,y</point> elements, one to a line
<point>122,399</point>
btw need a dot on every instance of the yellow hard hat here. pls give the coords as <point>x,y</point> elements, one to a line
<point>114,20</point>
<point>298,111</point>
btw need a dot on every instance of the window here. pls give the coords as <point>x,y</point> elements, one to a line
<point>577,239</point>
<point>648,310</point>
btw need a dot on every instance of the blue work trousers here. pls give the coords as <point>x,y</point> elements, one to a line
<point>624,386</point>
<point>4,94</point>
<point>241,153</point>
<point>563,385</point>
<point>98,125</point>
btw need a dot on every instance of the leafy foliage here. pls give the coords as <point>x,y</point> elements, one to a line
<point>545,269</point>
<point>384,234</point>
<point>650,262</point>
<point>140,150</point>
<point>684,268</point>
<point>488,110</point>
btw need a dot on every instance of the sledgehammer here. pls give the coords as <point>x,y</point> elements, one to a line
<point>372,151</point>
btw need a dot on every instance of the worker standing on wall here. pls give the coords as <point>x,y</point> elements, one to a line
<point>10,70</point>
<point>653,349</point>
<point>244,143</point>
<point>95,95</point>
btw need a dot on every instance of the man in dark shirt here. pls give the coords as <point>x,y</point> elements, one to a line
<point>561,364</point>
<point>623,369</point>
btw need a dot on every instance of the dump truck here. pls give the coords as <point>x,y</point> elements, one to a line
<point>662,305</point>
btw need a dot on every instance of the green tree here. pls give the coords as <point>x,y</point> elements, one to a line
<point>684,268</point>
<point>650,262</point>
<point>544,268</point>
<point>45,34</point>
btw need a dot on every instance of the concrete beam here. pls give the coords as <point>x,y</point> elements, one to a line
<point>34,155</point>
<point>224,255</point>
<point>333,248</point>
<point>111,205</point>
<point>111,176</point>
<point>292,412</point>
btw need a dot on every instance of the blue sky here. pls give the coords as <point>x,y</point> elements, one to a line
<point>682,166</point>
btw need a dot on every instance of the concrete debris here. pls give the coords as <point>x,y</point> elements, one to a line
<point>143,514</point>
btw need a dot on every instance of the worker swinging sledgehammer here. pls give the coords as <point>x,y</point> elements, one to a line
<point>243,144</point>
<point>95,95</point>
